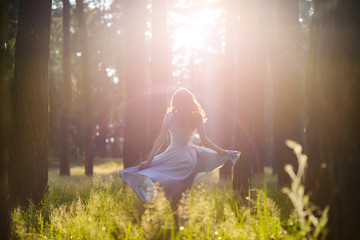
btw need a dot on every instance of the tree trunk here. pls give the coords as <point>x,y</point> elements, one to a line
<point>5,107</point>
<point>228,89</point>
<point>245,91</point>
<point>135,115</point>
<point>333,103</point>
<point>242,175</point>
<point>86,90</point>
<point>287,87</point>
<point>261,15</point>
<point>66,93</point>
<point>28,168</point>
<point>159,68</point>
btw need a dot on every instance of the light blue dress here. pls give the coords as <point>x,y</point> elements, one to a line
<point>177,168</point>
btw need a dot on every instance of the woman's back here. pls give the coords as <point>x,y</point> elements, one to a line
<point>180,135</point>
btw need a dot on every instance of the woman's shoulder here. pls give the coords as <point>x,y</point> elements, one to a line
<point>169,116</point>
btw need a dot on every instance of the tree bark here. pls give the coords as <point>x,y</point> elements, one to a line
<point>28,168</point>
<point>245,90</point>
<point>228,88</point>
<point>86,89</point>
<point>333,103</point>
<point>5,106</point>
<point>159,68</point>
<point>66,93</point>
<point>242,175</point>
<point>135,110</point>
<point>287,87</point>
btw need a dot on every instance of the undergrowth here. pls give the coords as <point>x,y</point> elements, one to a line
<point>102,207</point>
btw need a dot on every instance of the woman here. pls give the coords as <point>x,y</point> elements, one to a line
<point>182,163</point>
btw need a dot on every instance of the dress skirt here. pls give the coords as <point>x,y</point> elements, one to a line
<point>175,170</point>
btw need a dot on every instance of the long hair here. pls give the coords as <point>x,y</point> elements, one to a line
<point>187,110</point>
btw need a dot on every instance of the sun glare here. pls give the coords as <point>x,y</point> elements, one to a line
<point>197,28</point>
<point>189,38</point>
<point>194,28</point>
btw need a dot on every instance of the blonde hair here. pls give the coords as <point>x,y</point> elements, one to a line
<point>186,108</point>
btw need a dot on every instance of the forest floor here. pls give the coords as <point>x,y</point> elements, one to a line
<point>103,207</point>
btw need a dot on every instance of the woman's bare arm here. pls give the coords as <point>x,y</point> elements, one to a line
<point>158,143</point>
<point>207,142</point>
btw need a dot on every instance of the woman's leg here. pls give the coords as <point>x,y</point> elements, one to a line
<point>174,204</point>
<point>179,207</point>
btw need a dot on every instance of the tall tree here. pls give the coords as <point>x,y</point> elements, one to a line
<point>66,93</point>
<point>4,122</point>
<point>28,168</point>
<point>333,103</point>
<point>135,115</point>
<point>262,13</point>
<point>86,83</point>
<point>159,67</point>
<point>287,85</point>
<point>228,86</point>
<point>245,105</point>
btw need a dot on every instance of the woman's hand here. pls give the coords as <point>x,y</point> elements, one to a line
<point>144,165</point>
<point>233,155</point>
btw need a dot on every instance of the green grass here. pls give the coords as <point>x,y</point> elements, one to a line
<point>103,207</point>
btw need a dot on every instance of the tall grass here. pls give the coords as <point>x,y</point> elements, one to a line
<point>102,207</point>
<point>310,225</point>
